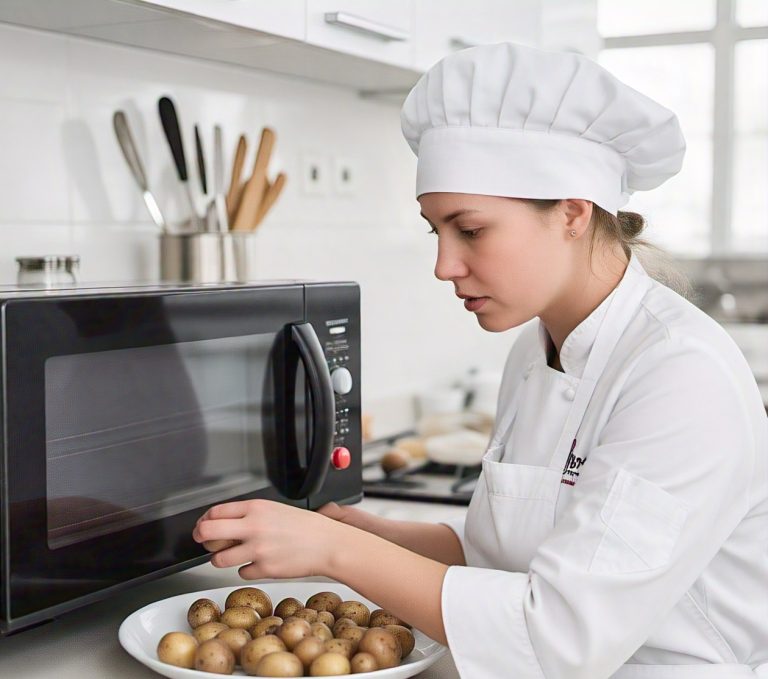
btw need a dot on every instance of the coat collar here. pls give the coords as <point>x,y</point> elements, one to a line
<point>576,348</point>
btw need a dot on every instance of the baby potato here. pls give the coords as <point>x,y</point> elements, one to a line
<point>202,611</point>
<point>342,646</point>
<point>324,601</point>
<point>293,631</point>
<point>404,636</point>
<point>341,623</point>
<point>308,649</point>
<point>382,645</point>
<point>235,638</point>
<point>252,653</point>
<point>353,634</point>
<point>288,607</point>
<point>329,665</point>
<point>308,614</point>
<point>177,648</point>
<point>380,618</point>
<point>321,631</point>
<point>363,662</point>
<point>266,626</point>
<point>208,631</point>
<point>253,597</point>
<point>354,610</point>
<point>243,617</point>
<point>326,617</point>
<point>280,664</point>
<point>214,656</point>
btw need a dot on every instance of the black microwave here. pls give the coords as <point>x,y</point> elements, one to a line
<point>127,411</point>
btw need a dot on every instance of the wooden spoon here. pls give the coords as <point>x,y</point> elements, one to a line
<point>253,194</point>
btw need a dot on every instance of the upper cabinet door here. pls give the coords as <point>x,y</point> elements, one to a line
<point>285,18</point>
<point>444,26</point>
<point>374,29</point>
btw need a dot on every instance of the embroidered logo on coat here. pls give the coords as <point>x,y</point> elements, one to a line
<point>572,466</point>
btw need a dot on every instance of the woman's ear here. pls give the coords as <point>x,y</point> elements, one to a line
<point>578,215</point>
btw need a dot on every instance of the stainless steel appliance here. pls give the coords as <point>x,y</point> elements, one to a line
<point>127,411</point>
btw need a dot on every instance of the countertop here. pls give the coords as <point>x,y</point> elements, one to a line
<point>84,643</point>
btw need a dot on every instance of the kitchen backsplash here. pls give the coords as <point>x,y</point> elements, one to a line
<point>66,189</point>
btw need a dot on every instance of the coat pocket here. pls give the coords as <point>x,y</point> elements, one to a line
<point>642,524</point>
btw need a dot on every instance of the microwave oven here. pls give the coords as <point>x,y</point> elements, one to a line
<point>127,411</point>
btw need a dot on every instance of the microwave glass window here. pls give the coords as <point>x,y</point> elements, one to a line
<point>135,435</point>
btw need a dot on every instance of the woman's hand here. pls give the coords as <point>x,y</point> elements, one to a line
<point>272,539</point>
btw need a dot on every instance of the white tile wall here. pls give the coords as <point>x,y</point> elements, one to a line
<point>64,188</point>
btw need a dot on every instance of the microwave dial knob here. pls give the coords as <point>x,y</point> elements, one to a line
<point>341,379</point>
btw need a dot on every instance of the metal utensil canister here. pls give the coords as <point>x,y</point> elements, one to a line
<point>47,270</point>
<point>206,257</point>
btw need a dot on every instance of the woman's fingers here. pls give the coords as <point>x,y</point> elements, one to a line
<point>233,556</point>
<point>218,529</point>
<point>229,510</point>
<point>218,545</point>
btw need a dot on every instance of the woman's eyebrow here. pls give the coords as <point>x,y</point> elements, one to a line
<point>450,217</point>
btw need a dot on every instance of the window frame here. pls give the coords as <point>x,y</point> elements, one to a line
<point>723,36</point>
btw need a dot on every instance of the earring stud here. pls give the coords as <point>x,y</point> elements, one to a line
<point>573,233</point>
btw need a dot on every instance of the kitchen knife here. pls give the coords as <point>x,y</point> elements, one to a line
<point>170,122</point>
<point>255,188</point>
<point>218,180</point>
<point>131,154</point>
<point>235,187</point>
<point>200,161</point>
<point>271,195</point>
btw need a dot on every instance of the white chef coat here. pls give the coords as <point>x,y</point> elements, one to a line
<point>640,547</point>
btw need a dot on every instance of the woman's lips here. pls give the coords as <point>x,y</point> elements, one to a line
<point>474,303</point>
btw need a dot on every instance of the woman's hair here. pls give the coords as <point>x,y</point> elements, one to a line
<point>625,229</point>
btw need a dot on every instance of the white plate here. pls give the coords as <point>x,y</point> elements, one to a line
<point>141,631</point>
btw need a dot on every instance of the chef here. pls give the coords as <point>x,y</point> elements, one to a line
<point>620,524</point>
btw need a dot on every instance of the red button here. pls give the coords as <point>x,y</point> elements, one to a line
<point>341,458</point>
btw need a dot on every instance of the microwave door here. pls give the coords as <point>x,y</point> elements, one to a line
<point>294,473</point>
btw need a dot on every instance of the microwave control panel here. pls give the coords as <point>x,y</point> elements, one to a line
<point>334,311</point>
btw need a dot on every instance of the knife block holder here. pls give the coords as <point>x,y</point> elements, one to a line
<point>206,257</point>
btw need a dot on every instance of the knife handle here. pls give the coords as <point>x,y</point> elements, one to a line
<point>201,161</point>
<point>170,122</point>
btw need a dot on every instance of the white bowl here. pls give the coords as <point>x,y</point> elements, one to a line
<point>141,631</point>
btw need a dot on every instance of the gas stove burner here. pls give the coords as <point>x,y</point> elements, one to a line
<point>400,482</point>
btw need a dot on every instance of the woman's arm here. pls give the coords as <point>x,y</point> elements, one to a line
<point>279,541</point>
<point>435,541</point>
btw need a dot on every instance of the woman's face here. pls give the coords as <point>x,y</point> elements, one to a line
<point>510,258</point>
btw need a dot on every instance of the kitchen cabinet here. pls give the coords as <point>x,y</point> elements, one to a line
<point>444,26</point>
<point>379,30</point>
<point>285,18</point>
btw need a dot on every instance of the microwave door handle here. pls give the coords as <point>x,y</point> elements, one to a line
<point>323,407</point>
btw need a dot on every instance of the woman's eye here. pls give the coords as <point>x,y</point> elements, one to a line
<point>470,233</point>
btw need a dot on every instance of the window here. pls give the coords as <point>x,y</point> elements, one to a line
<point>707,60</point>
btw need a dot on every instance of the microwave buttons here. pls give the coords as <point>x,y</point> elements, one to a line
<point>341,457</point>
<point>341,379</point>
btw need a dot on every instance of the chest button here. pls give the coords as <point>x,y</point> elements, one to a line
<point>570,394</point>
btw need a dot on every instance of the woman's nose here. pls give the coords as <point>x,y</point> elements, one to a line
<point>449,264</point>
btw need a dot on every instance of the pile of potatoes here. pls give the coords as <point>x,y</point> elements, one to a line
<point>324,637</point>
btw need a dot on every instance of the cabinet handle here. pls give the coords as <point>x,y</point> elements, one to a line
<point>458,43</point>
<point>363,25</point>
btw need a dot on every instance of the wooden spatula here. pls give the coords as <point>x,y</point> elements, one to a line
<point>272,194</point>
<point>253,193</point>
<point>235,185</point>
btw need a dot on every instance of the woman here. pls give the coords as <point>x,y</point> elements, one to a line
<point>620,526</point>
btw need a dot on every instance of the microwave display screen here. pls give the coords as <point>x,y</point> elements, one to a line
<point>135,435</point>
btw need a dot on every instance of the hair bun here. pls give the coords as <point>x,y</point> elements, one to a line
<point>631,224</point>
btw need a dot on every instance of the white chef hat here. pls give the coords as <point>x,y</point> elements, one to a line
<point>510,120</point>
